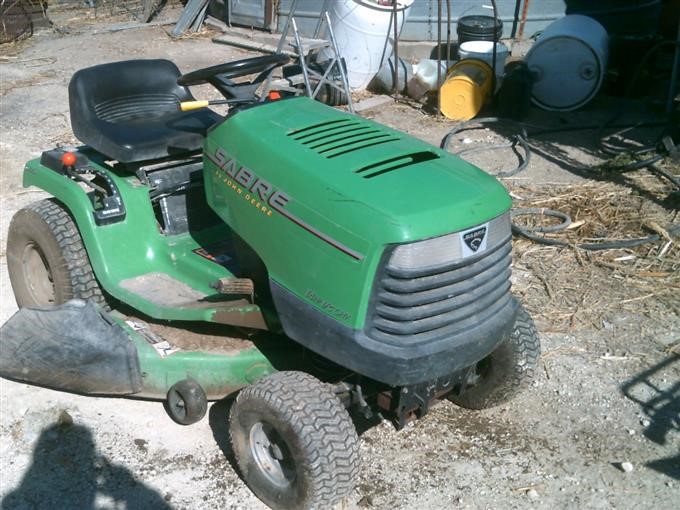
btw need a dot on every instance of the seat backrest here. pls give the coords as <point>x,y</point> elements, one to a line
<point>128,91</point>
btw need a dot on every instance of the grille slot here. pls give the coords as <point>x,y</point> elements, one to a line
<point>421,305</point>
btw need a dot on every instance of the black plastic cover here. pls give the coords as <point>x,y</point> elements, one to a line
<point>72,347</point>
<point>389,364</point>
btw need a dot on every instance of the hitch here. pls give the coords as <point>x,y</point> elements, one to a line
<point>408,403</point>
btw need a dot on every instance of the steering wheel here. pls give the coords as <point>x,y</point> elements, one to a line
<point>233,70</point>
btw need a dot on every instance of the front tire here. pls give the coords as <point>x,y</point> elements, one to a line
<point>506,371</point>
<point>294,442</point>
<point>46,259</point>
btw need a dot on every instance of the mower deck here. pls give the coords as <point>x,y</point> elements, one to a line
<point>220,363</point>
<point>76,347</point>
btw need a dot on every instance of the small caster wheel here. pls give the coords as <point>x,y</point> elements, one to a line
<point>186,403</point>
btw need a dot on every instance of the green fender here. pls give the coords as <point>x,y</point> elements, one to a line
<point>134,248</point>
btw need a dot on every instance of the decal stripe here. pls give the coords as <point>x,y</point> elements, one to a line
<point>335,244</point>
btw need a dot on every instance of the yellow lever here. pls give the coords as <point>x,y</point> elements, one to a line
<point>186,106</point>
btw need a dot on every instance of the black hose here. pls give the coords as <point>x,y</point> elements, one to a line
<point>529,232</point>
<point>495,45</point>
<point>540,211</point>
<point>521,139</point>
<point>602,144</point>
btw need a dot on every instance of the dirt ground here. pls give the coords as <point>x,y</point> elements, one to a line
<point>607,393</point>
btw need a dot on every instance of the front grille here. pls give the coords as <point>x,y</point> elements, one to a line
<point>412,306</point>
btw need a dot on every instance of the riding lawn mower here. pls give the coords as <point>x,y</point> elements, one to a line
<point>313,266</point>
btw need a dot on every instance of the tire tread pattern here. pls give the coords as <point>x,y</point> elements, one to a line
<point>76,263</point>
<point>328,437</point>
<point>517,358</point>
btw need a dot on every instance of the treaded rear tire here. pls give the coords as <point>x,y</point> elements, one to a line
<point>309,428</point>
<point>46,230</point>
<point>508,370</point>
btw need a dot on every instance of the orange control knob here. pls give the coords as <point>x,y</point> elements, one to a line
<point>69,159</point>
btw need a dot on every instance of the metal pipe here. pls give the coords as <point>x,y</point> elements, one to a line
<point>284,34</point>
<point>515,19</point>
<point>341,64</point>
<point>523,21</point>
<point>673,87</point>
<point>439,53</point>
<point>448,32</point>
<point>495,44</point>
<point>395,77</point>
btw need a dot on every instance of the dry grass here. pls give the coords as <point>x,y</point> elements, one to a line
<point>570,288</point>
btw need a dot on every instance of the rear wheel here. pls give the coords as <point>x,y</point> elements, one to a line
<point>506,371</point>
<point>46,259</point>
<point>294,442</point>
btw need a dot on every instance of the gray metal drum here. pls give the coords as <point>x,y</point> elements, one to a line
<point>568,62</point>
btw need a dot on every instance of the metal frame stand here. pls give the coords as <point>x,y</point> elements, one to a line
<point>335,67</point>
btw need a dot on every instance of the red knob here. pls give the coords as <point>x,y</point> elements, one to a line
<point>69,159</point>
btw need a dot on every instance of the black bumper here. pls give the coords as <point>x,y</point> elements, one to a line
<point>387,363</point>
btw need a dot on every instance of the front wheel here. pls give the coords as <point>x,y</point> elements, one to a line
<point>506,371</point>
<point>294,442</point>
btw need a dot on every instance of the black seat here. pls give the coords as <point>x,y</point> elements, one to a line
<point>129,111</point>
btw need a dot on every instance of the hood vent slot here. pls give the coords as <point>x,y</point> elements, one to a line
<point>337,137</point>
<point>388,165</point>
<point>316,129</point>
<point>352,147</point>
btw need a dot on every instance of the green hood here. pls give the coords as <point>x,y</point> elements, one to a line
<point>384,184</point>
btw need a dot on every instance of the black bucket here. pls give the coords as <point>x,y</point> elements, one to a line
<point>479,28</point>
<point>618,17</point>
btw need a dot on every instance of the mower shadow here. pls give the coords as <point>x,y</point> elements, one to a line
<point>661,405</point>
<point>218,419</point>
<point>68,472</point>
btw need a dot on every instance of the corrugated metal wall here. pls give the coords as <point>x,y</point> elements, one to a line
<point>421,24</point>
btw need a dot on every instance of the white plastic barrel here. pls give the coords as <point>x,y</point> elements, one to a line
<point>483,50</point>
<point>363,30</point>
<point>568,63</point>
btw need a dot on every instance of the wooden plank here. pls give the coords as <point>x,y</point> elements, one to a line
<point>372,102</point>
<point>134,25</point>
<point>189,14</point>
<point>248,44</point>
<point>198,23</point>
